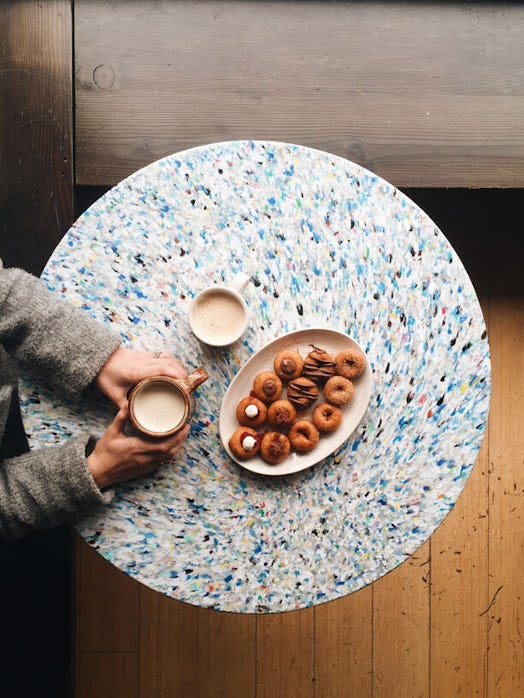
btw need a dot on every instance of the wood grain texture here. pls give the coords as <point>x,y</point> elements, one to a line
<point>36,204</point>
<point>343,646</point>
<point>227,650</point>
<point>505,610</point>
<point>107,675</point>
<point>36,139</point>
<point>168,646</point>
<point>459,592</point>
<point>401,639</point>
<point>424,94</point>
<point>285,655</point>
<point>107,603</point>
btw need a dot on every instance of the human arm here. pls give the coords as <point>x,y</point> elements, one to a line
<point>40,331</point>
<point>52,485</point>
<point>46,487</point>
<point>71,350</point>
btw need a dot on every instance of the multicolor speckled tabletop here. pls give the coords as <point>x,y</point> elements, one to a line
<point>327,244</point>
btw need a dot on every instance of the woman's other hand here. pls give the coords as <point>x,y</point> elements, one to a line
<point>118,457</point>
<point>126,367</point>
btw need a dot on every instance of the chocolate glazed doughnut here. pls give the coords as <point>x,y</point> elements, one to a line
<point>302,392</point>
<point>303,435</point>
<point>318,365</point>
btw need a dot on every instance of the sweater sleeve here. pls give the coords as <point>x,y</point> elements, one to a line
<point>47,487</point>
<point>65,345</point>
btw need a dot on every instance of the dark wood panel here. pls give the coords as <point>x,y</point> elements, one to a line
<point>36,204</point>
<point>107,604</point>
<point>107,675</point>
<point>226,654</point>
<point>168,646</point>
<point>36,169</point>
<point>424,94</point>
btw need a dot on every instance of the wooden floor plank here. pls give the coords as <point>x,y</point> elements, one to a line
<point>343,647</point>
<point>285,655</point>
<point>106,605</point>
<point>168,646</point>
<point>226,654</point>
<point>401,629</point>
<point>505,609</point>
<point>107,675</point>
<point>459,591</point>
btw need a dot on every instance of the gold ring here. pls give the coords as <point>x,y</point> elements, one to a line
<point>156,354</point>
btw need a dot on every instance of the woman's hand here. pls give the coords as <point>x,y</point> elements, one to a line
<point>118,457</point>
<point>126,367</point>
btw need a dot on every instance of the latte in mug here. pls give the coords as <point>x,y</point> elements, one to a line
<point>218,316</point>
<point>159,407</point>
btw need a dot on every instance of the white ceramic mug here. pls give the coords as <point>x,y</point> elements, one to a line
<point>218,315</point>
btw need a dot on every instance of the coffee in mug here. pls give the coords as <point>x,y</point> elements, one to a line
<point>218,317</point>
<point>160,406</point>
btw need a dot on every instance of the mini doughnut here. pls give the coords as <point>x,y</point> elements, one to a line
<point>338,390</point>
<point>288,364</point>
<point>281,414</point>
<point>326,417</point>
<point>319,365</point>
<point>267,386</point>
<point>251,412</point>
<point>302,392</point>
<point>245,442</point>
<point>274,447</point>
<point>303,435</point>
<point>350,364</point>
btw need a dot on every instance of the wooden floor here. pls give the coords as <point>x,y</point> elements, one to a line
<point>445,623</point>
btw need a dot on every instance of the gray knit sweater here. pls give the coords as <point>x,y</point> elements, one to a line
<point>46,487</point>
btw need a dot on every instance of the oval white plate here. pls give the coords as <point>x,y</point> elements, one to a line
<point>242,384</point>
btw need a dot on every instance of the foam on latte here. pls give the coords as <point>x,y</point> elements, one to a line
<point>159,407</point>
<point>218,317</point>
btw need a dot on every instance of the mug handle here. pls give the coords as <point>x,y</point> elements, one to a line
<point>194,379</point>
<point>239,282</point>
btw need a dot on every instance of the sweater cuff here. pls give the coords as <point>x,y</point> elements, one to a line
<point>47,487</point>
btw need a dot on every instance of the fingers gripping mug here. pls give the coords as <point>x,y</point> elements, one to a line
<point>160,406</point>
<point>218,315</point>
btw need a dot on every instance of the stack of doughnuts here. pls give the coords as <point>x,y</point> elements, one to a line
<point>281,397</point>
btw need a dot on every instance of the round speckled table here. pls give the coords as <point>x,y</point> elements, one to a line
<point>327,244</point>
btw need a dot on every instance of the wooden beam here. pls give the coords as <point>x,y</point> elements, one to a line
<point>424,94</point>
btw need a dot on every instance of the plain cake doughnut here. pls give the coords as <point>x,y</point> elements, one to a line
<point>350,363</point>
<point>338,390</point>
<point>303,435</point>
<point>326,417</point>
